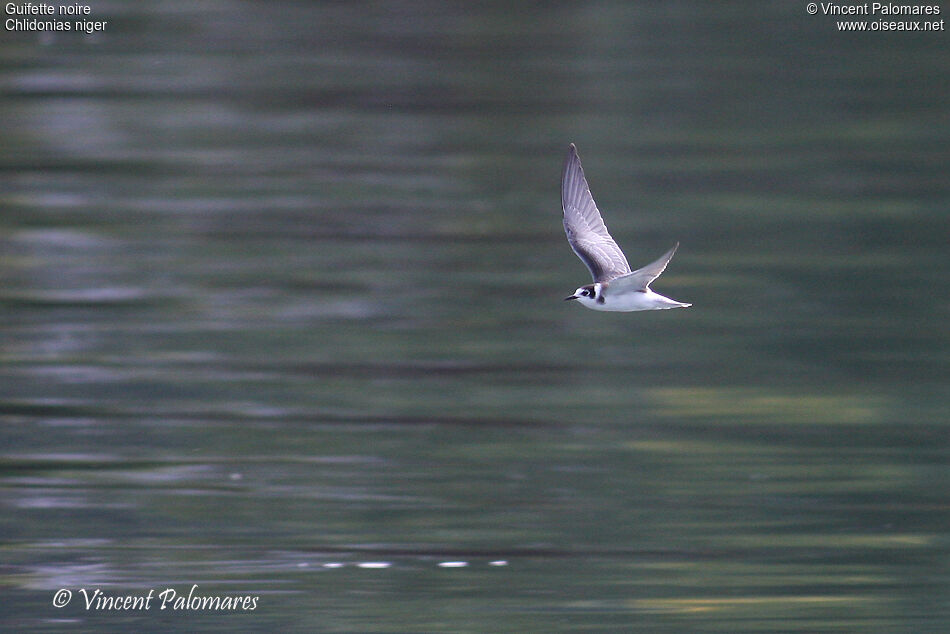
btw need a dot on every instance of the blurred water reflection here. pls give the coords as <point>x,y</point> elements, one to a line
<point>281,316</point>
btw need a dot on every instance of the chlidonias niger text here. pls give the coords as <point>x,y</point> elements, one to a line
<point>615,287</point>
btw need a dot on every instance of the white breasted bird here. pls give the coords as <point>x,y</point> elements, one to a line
<point>615,287</point>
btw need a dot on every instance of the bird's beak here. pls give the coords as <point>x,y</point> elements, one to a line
<point>567,299</point>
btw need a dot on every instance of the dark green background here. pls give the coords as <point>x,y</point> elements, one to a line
<point>280,286</point>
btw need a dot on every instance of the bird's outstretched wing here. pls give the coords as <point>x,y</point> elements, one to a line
<point>640,279</point>
<point>584,227</point>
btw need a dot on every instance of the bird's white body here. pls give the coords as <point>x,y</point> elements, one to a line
<point>627,301</point>
<point>616,288</point>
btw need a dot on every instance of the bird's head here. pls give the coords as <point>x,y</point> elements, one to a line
<point>586,294</point>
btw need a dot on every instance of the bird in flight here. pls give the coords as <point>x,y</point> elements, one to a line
<point>615,287</point>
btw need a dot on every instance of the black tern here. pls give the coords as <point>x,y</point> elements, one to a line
<point>615,287</point>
